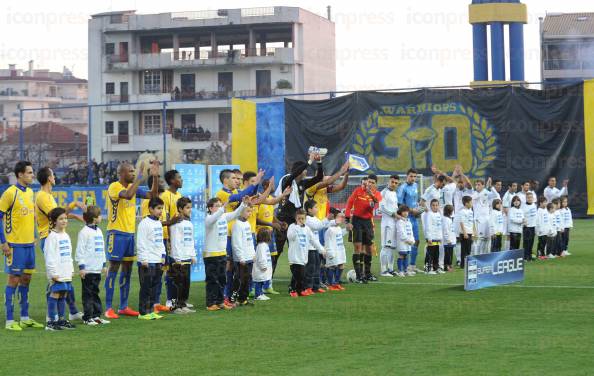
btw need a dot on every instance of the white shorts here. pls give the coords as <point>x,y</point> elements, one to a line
<point>482,227</point>
<point>338,259</point>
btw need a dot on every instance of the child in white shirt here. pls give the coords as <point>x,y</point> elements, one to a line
<point>150,256</point>
<point>405,239</point>
<point>300,238</point>
<point>529,228</point>
<point>244,253</point>
<point>449,236</point>
<point>466,221</point>
<point>90,256</point>
<point>335,251</point>
<point>567,221</point>
<point>434,234</point>
<point>516,221</point>
<point>183,253</point>
<point>496,226</point>
<point>215,251</point>
<point>543,227</point>
<point>262,269</point>
<point>59,269</point>
<point>558,224</point>
<point>552,237</point>
<point>314,259</point>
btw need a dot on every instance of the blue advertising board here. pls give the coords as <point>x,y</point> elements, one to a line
<point>194,176</point>
<point>214,183</point>
<point>492,269</point>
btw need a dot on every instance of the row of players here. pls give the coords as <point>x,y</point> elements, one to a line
<point>457,217</point>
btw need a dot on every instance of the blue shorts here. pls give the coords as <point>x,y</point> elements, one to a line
<point>42,243</point>
<point>59,287</point>
<point>120,246</point>
<point>403,253</point>
<point>21,261</point>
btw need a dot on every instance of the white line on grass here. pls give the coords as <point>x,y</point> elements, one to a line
<point>510,285</point>
<point>461,285</point>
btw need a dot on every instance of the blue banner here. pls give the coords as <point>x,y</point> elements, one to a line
<point>497,268</point>
<point>194,176</point>
<point>214,183</point>
<point>270,137</point>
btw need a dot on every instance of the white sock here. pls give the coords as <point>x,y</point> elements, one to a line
<point>24,318</point>
<point>391,259</point>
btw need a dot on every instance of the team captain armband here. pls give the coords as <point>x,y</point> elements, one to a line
<point>434,242</point>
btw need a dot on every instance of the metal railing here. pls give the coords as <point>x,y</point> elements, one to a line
<point>117,58</point>
<point>197,15</point>
<point>257,12</point>
<point>222,94</point>
<point>568,64</point>
<point>192,135</point>
<point>112,98</point>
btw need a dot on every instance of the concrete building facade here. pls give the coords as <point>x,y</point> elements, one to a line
<point>197,61</point>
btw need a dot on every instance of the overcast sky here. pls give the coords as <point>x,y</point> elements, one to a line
<point>380,45</point>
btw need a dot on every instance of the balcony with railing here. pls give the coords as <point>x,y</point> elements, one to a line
<point>191,59</point>
<point>568,68</point>
<point>112,98</point>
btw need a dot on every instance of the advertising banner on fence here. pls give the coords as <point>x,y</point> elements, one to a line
<point>214,183</point>
<point>492,269</point>
<point>194,176</point>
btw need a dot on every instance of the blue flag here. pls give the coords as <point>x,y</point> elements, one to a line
<point>357,162</point>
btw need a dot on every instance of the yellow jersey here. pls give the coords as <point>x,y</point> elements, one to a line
<point>44,203</point>
<point>224,195</point>
<point>121,213</point>
<point>18,206</point>
<point>252,220</point>
<point>144,209</point>
<point>170,208</point>
<point>265,214</point>
<point>320,196</point>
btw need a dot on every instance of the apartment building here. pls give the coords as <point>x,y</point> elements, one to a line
<point>179,71</point>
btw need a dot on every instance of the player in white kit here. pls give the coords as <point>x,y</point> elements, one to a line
<point>388,208</point>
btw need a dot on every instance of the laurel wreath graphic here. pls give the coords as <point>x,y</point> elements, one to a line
<point>484,141</point>
<point>364,139</point>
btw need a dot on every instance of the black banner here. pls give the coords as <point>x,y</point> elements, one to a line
<point>510,133</point>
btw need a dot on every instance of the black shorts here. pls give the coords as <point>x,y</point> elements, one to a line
<point>362,231</point>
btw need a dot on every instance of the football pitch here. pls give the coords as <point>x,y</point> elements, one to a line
<point>421,325</point>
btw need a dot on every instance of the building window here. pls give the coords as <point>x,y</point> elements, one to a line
<point>152,123</point>
<point>109,127</point>
<point>224,126</point>
<point>188,120</point>
<point>109,48</point>
<point>109,88</point>
<point>151,82</point>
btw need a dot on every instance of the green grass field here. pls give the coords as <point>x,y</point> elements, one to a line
<point>422,325</point>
